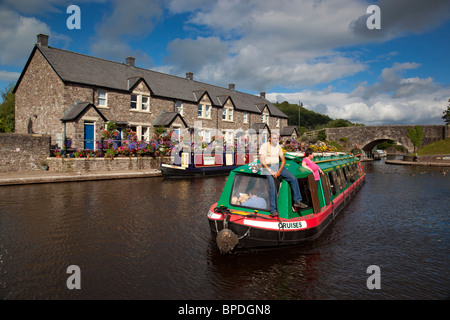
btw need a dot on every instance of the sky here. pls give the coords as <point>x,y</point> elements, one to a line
<point>382,65</point>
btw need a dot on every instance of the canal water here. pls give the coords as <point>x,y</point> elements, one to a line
<point>149,239</point>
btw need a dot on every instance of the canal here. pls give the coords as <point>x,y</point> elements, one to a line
<point>149,239</point>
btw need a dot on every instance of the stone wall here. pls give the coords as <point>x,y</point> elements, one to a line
<point>369,136</point>
<point>39,99</point>
<point>85,165</point>
<point>22,152</point>
<point>438,158</point>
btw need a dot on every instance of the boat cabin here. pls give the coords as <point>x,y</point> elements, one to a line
<point>247,190</point>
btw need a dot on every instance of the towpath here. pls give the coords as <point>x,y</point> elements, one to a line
<point>34,177</point>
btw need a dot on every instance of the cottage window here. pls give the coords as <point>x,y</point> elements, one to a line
<point>204,111</point>
<point>245,117</point>
<point>134,101</point>
<point>179,105</point>
<point>278,122</point>
<point>265,118</point>
<point>206,135</point>
<point>102,98</point>
<point>227,114</point>
<point>145,105</point>
<point>140,102</point>
<point>145,134</point>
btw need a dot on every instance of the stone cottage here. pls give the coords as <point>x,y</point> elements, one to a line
<point>67,94</point>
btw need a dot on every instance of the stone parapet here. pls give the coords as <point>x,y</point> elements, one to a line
<point>87,165</point>
<point>23,152</point>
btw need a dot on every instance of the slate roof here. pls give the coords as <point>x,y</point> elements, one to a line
<point>260,126</point>
<point>287,131</point>
<point>82,69</point>
<point>77,109</point>
<point>165,119</point>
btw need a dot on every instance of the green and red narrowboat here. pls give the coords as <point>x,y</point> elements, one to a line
<point>238,224</point>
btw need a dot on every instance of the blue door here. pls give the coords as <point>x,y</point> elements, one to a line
<point>89,136</point>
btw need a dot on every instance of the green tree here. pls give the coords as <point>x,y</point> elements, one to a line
<point>446,115</point>
<point>7,111</point>
<point>416,136</point>
<point>308,118</point>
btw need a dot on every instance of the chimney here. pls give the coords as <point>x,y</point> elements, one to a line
<point>42,40</point>
<point>190,75</point>
<point>130,61</point>
<point>231,86</point>
<point>262,94</point>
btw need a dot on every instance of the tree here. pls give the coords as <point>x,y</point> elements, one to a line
<point>416,136</point>
<point>446,115</point>
<point>7,111</point>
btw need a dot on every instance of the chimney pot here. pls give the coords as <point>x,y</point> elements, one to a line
<point>231,86</point>
<point>262,94</point>
<point>42,40</point>
<point>130,61</point>
<point>190,75</point>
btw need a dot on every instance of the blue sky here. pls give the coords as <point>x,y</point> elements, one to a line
<point>319,52</point>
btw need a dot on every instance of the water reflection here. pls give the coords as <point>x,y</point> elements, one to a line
<point>149,239</point>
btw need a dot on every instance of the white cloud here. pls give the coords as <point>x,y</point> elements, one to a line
<point>17,35</point>
<point>261,44</point>
<point>392,100</point>
<point>8,76</point>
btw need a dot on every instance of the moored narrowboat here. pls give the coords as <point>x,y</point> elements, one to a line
<point>193,164</point>
<point>241,218</point>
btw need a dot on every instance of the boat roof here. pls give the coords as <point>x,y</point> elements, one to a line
<point>325,161</point>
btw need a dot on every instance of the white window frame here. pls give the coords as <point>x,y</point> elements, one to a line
<point>206,135</point>
<point>278,122</point>
<point>204,111</point>
<point>179,106</point>
<point>102,96</point>
<point>135,102</point>
<point>229,137</point>
<point>145,106</point>
<point>145,133</point>
<point>140,105</point>
<point>245,117</point>
<point>228,114</point>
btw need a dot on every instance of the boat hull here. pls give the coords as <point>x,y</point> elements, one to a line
<point>178,171</point>
<point>261,231</point>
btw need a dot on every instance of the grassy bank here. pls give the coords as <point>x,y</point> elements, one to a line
<point>438,147</point>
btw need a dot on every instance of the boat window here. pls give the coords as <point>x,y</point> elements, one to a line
<point>250,192</point>
<point>346,174</point>
<point>340,177</point>
<point>333,182</point>
<point>338,181</point>
<point>353,171</point>
<point>305,192</point>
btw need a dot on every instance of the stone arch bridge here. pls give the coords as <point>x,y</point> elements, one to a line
<point>367,137</point>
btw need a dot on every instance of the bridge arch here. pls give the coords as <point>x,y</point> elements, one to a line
<point>369,136</point>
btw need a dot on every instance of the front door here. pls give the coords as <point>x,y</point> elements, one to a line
<point>88,136</point>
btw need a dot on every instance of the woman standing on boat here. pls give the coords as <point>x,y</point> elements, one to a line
<point>309,164</point>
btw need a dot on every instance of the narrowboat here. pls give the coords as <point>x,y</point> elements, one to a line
<point>238,224</point>
<point>194,164</point>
